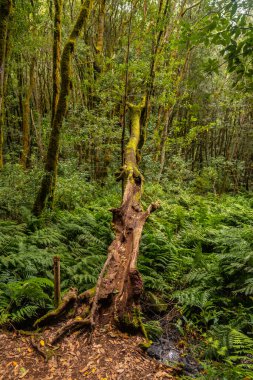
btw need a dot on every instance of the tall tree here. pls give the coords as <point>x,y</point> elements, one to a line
<point>26,118</point>
<point>48,181</point>
<point>56,55</point>
<point>5,10</point>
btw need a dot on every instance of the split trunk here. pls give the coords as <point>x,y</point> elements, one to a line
<point>120,285</point>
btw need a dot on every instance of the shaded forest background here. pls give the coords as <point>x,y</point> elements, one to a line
<point>194,62</point>
<point>195,59</point>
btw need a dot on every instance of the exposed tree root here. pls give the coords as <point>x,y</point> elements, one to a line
<point>38,349</point>
<point>28,333</point>
<point>87,295</point>
<point>67,302</point>
<point>46,352</point>
<point>80,303</point>
<point>70,327</point>
<point>116,298</point>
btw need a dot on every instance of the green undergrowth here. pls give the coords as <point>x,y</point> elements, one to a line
<point>196,252</point>
<point>78,230</point>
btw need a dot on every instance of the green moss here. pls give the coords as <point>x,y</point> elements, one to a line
<point>92,292</point>
<point>132,153</point>
<point>138,317</point>
<point>51,313</point>
<point>29,333</point>
<point>145,345</point>
<point>48,182</point>
<point>85,312</point>
<point>64,306</point>
<point>132,322</point>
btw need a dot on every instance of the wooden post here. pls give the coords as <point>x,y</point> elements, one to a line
<point>57,281</point>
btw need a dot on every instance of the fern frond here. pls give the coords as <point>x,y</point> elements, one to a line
<point>24,313</point>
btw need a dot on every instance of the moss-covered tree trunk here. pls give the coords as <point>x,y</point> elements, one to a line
<point>5,9</point>
<point>58,6</point>
<point>120,285</point>
<point>48,181</point>
<point>101,27</point>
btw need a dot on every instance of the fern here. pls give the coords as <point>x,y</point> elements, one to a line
<point>240,343</point>
<point>46,237</point>
<point>24,313</point>
<point>153,329</point>
<point>196,252</point>
<point>20,300</point>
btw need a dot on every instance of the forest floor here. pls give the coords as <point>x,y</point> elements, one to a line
<point>110,355</point>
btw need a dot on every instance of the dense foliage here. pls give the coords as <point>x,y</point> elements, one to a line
<point>191,61</point>
<point>196,253</point>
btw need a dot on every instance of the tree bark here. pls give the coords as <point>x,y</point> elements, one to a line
<point>168,114</point>
<point>124,100</point>
<point>120,286</point>
<point>38,134</point>
<point>58,5</point>
<point>101,27</point>
<point>56,55</point>
<point>5,10</point>
<point>26,119</point>
<point>48,181</point>
<point>98,62</point>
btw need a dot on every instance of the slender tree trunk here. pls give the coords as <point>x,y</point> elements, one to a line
<point>168,116</point>
<point>101,27</point>
<point>120,285</point>
<point>5,9</point>
<point>98,63</point>
<point>123,119</point>
<point>26,119</point>
<point>37,130</point>
<point>163,8</point>
<point>56,55</point>
<point>48,180</point>
<point>56,77</point>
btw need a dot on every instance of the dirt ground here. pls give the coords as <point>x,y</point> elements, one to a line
<point>109,356</point>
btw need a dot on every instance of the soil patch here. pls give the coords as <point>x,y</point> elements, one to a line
<point>109,356</point>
